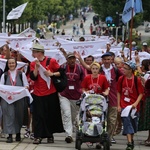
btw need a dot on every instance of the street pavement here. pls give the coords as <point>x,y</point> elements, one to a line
<point>69,26</point>
<point>60,144</point>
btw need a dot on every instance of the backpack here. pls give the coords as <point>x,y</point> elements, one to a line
<point>6,75</point>
<point>60,82</point>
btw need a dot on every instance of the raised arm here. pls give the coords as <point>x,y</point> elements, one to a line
<point>78,56</point>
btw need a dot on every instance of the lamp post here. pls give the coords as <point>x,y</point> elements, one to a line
<point>4,29</point>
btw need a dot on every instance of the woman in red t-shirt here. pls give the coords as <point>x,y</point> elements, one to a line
<point>95,83</point>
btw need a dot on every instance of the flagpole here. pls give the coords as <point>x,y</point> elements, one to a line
<point>131,27</point>
<point>4,30</point>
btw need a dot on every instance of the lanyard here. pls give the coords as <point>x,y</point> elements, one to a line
<point>131,84</point>
<point>11,80</point>
<point>95,87</point>
<point>73,74</point>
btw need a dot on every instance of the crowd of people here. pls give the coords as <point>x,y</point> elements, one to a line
<point>52,112</point>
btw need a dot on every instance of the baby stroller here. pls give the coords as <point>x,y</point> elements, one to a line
<point>92,118</point>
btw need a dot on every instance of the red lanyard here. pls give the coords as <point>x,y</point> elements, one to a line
<point>131,84</point>
<point>11,80</point>
<point>96,82</point>
<point>73,74</point>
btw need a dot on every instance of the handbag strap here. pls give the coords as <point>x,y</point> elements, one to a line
<point>48,61</point>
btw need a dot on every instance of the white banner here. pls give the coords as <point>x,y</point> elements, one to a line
<point>27,33</point>
<point>48,44</point>
<point>18,43</point>
<point>14,93</point>
<point>19,64</point>
<point>84,48</point>
<point>65,37</point>
<point>16,12</point>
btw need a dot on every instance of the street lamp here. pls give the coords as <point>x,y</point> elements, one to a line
<point>4,30</point>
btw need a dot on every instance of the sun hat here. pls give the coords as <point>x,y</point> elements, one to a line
<point>37,47</point>
<point>70,55</point>
<point>131,64</point>
<point>144,44</point>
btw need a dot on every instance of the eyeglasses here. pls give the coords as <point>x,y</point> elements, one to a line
<point>126,68</point>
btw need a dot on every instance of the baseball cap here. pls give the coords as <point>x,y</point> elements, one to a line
<point>144,44</point>
<point>37,47</point>
<point>133,43</point>
<point>131,64</point>
<point>70,55</point>
<point>106,54</point>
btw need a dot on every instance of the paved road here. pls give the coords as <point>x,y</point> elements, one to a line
<point>60,144</point>
<point>68,27</point>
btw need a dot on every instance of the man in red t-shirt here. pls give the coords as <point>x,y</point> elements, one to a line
<point>129,93</point>
<point>71,94</point>
<point>46,107</point>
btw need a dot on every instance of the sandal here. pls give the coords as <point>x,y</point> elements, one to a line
<point>50,140</point>
<point>147,143</point>
<point>37,141</point>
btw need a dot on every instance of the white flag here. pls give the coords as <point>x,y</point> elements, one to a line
<point>16,12</point>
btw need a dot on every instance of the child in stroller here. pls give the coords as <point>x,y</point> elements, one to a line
<point>93,108</point>
<point>92,122</point>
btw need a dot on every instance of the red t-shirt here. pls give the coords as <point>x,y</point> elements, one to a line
<point>75,76</point>
<point>40,85</point>
<point>98,85</point>
<point>126,87</point>
<point>2,56</point>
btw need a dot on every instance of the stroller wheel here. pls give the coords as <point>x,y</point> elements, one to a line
<point>78,144</point>
<point>98,146</point>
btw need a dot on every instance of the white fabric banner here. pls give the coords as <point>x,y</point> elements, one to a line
<point>19,64</point>
<point>16,12</point>
<point>63,36</point>
<point>27,33</point>
<point>49,53</point>
<point>84,48</point>
<point>142,56</point>
<point>18,43</point>
<point>13,93</point>
<point>48,44</point>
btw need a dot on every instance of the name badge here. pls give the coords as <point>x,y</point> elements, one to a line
<point>127,99</point>
<point>71,87</point>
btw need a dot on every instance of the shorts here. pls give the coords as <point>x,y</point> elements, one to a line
<point>130,125</point>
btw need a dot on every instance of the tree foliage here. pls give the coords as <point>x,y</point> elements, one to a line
<point>106,8</point>
<point>40,9</point>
